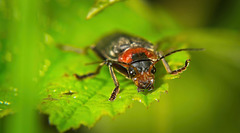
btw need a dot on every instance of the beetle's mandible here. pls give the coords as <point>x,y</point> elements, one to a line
<point>133,57</point>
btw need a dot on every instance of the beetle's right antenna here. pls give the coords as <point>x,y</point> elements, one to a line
<point>166,64</point>
<point>179,50</point>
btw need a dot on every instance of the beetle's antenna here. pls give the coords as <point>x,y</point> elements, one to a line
<point>175,51</point>
<point>179,50</point>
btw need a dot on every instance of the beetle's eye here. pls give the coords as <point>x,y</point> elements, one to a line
<point>132,72</point>
<point>153,70</point>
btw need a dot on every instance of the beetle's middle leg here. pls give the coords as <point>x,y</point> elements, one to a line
<point>168,69</point>
<point>116,90</point>
<point>80,77</point>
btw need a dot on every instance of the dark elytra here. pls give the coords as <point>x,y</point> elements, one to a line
<point>111,46</point>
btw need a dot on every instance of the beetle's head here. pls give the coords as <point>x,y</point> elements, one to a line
<point>142,74</point>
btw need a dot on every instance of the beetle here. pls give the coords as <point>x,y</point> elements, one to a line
<point>132,56</point>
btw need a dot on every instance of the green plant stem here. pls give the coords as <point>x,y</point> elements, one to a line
<point>24,41</point>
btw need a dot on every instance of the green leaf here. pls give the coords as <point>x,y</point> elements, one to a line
<point>99,6</point>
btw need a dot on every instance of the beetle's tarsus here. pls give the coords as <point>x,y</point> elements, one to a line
<point>114,94</point>
<point>140,90</point>
<point>77,76</point>
<point>116,90</point>
<point>181,69</point>
<point>150,88</point>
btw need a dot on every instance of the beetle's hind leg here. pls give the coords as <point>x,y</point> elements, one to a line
<point>168,69</point>
<point>81,77</point>
<point>68,48</point>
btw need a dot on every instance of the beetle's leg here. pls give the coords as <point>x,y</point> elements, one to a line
<point>168,69</point>
<point>182,68</point>
<point>140,90</point>
<point>116,90</point>
<point>80,77</point>
<point>77,50</point>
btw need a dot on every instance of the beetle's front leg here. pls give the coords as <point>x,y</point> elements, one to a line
<point>168,69</point>
<point>116,90</point>
<point>182,68</point>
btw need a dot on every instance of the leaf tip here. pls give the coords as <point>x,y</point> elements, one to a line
<point>99,6</point>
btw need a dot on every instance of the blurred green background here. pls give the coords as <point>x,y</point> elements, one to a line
<point>206,97</point>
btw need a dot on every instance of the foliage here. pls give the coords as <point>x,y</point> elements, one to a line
<point>69,102</point>
<point>99,6</point>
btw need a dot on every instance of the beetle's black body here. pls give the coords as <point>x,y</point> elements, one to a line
<point>133,57</point>
<point>110,47</point>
